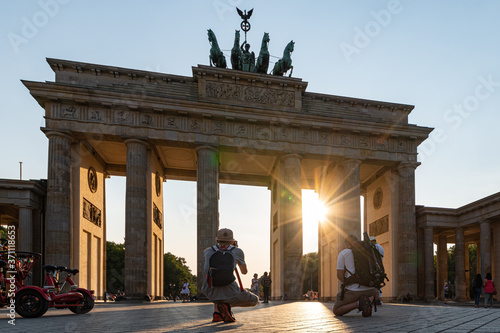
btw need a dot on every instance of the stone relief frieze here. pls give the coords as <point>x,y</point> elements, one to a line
<point>172,122</point>
<point>157,216</point>
<point>195,125</point>
<point>91,212</point>
<point>324,138</point>
<point>380,226</point>
<point>263,133</point>
<point>146,119</point>
<point>346,140</point>
<point>240,130</point>
<point>305,136</point>
<point>70,113</point>
<point>249,94</point>
<point>123,117</point>
<point>95,115</point>
<point>218,127</point>
<point>364,142</point>
<point>381,144</point>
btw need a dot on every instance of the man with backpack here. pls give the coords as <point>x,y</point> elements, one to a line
<point>353,294</point>
<point>220,286</point>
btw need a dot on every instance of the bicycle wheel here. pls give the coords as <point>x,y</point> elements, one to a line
<point>88,304</point>
<point>30,303</point>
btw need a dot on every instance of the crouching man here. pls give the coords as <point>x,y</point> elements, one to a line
<point>352,295</point>
<point>220,286</point>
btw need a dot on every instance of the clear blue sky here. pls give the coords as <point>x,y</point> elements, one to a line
<point>441,57</point>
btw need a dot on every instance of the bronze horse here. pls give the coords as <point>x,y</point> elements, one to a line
<point>216,58</point>
<point>236,55</point>
<point>285,63</point>
<point>263,60</point>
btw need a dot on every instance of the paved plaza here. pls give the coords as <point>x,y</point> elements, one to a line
<point>272,317</point>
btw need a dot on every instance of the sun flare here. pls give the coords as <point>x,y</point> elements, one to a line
<point>313,212</point>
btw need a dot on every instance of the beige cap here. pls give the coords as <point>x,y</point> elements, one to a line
<point>224,235</point>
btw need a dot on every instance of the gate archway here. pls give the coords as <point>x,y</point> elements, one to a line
<point>222,126</point>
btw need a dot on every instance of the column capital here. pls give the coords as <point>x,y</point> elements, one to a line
<point>136,140</point>
<point>407,165</point>
<point>66,135</point>
<point>286,156</point>
<point>350,161</point>
<point>206,147</point>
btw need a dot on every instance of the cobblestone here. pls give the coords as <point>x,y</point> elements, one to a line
<point>272,317</point>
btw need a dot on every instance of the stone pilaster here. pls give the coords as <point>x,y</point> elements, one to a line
<point>351,204</point>
<point>58,215</point>
<point>292,218</point>
<point>429,263</point>
<point>207,204</point>
<point>136,223</point>
<point>460,287</point>
<point>442,265</point>
<point>485,235</point>
<point>25,240</point>
<point>407,231</point>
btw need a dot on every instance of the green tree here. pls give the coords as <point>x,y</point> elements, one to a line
<point>309,272</point>
<point>175,271</point>
<point>115,265</point>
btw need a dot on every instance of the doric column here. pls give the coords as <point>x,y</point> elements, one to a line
<point>442,265</point>
<point>58,214</point>
<point>136,212</point>
<point>207,204</point>
<point>429,263</point>
<point>292,223</point>
<point>460,287</point>
<point>467,271</point>
<point>485,235</point>
<point>496,251</point>
<point>25,240</point>
<point>407,231</point>
<point>351,204</point>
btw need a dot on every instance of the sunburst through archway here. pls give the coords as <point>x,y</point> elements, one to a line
<point>313,211</point>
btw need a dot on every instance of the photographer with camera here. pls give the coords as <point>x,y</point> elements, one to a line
<point>220,286</point>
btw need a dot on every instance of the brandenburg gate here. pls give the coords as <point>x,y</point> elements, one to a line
<point>223,126</point>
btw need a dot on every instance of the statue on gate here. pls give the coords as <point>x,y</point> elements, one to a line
<point>263,59</point>
<point>248,63</point>
<point>216,58</point>
<point>285,63</point>
<point>236,54</point>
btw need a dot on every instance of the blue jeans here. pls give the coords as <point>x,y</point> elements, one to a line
<point>477,296</point>
<point>488,298</point>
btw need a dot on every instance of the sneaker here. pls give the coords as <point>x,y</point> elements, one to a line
<point>217,317</point>
<point>365,306</point>
<point>225,310</point>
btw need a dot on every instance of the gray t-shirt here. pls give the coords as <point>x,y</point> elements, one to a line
<point>225,292</point>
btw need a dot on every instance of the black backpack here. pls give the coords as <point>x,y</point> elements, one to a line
<point>221,267</point>
<point>368,264</point>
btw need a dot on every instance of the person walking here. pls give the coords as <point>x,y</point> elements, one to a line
<point>489,289</point>
<point>477,284</point>
<point>255,285</point>
<point>185,291</point>
<point>266,283</point>
<point>220,286</point>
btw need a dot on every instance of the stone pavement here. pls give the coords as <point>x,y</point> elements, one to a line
<point>273,317</point>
